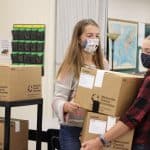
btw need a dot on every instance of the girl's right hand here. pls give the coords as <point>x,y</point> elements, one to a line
<point>70,107</point>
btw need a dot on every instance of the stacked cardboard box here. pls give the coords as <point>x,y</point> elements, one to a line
<point>20,83</point>
<point>95,124</point>
<point>18,134</point>
<point>114,92</point>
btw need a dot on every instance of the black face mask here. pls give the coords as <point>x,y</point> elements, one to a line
<point>145,60</point>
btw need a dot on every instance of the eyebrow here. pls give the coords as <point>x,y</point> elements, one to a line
<point>146,49</point>
<point>93,33</point>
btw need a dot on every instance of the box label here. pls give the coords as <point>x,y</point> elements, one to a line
<point>97,126</point>
<point>111,121</point>
<point>99,78</point>
<point>86,80</point>
<point>17,126</point>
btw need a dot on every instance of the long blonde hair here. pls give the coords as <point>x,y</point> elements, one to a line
<point>73,60</point>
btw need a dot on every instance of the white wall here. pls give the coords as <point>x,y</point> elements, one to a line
<point>32,12</point>
<point>134,10</point>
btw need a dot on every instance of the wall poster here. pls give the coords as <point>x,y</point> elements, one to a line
<point>125,46</point>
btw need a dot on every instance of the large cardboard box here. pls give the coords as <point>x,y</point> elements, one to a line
<point>20,83</point>
<point>114,90</point>
<point>95,124</point>
<point>18,134</point>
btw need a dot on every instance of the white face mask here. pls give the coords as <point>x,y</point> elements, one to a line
<point>90,45</point>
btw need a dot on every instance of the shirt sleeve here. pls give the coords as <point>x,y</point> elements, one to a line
<point>140,107</point>
<point>62,93</point>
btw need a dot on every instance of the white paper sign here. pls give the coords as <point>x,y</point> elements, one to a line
<point>97,126</point>
<point>5,47</point>
<point>111,121</point>
<point>99,78</point>
<point>86,80</point>
<point>5,50</point>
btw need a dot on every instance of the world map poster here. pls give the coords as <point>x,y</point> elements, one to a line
<point>125,46</point>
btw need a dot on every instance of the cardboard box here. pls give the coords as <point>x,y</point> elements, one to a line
<point>95,124</point>
<point>18,134</point>
<point>20,83</point>
<point>114,90</point>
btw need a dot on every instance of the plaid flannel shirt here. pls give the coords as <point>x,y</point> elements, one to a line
<point>138,115</point>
